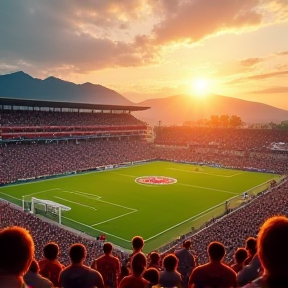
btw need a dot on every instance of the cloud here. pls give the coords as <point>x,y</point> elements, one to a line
<point>267,75</point>
<point>82,36</point>
<point>196,20</point>
<point>272,90</point>
<point>259,77</point>
<point>249,62</point>
<point>66,35</point>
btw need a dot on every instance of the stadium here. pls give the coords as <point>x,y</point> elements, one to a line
<point>77,172</point>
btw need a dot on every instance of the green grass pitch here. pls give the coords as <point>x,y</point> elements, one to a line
<point>111,202</point>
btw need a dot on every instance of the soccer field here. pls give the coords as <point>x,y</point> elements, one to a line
<point>114,204</point>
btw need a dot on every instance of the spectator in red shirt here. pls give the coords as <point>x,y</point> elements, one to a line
<point>50,267</point>
<point>213,274</point>
<point>16,254</point>
<point>135,280</point>
<point>108,266</point>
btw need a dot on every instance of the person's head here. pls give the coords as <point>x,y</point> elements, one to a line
<point>50,251</point>
<point>16,251</point>
<point>170,262</point>
<point>138,263</point>
<point>216,251</point>
<point>186,244</point>
<point>154,258</point>
<point>240,255</point>
<point>152,275</point>
<point>273,246</point>
<point>137,243</point>
<point>34,267</point>
<point>251,245</point>
<point>107,248</point>
<point>77,253</point>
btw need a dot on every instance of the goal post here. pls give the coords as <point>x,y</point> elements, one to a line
<point>45,208</point>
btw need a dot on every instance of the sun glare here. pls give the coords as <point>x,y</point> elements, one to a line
<point>199,87</point>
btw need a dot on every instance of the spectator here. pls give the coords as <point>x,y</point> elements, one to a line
<point>152,275</point>
<point>186,262</point>
<point>273,254</point>
<point>240,256</point>
<point>137,244</point>
<point>213,274</point>
<point>50,267</point>
<point>154,260</point>
<point>16,254</point>
<point>251,247</point>
<point>108,266</point>
<point>33,279</point>
<point>170,277</point>
<point>135,280</point>
<point>77,275</point>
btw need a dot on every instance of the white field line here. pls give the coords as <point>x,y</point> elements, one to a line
<point>205,188</point>
<point>111,219</point>
<point>97,199</point>
<point>180,223</point>
<point>94,197</point>
<point>75,202</point>
<point>110,203</point>
<point>41,192</point>
<point>106,233</point>
<point>200,214</point>
<point>199,172</point>
<point>126,175</point>
<point>10,196</point>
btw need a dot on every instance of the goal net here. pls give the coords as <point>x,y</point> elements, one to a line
<point>46,208</point>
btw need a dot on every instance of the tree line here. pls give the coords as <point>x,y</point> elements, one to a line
<point>216,121</point>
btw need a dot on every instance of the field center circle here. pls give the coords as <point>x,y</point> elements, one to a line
<point>155,180</point>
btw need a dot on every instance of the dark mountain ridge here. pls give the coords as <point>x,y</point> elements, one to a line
<point>22,86</point>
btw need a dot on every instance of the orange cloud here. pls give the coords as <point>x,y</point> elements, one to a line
<point>249,62</point>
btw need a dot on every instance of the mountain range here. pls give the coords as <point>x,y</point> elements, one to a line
<point>170,110</point>
<point>22,86</point>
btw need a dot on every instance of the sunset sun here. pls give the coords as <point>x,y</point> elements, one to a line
<point>199,87</point>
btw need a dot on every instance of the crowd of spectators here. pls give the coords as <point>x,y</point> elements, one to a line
<point>43,118</point>
<point>225,138</point>
<point>28,160</point>
<point>24,160</point>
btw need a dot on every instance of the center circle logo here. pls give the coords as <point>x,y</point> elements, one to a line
<point>155,180</point>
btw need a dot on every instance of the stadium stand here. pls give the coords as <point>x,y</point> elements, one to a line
<point>36,143</point>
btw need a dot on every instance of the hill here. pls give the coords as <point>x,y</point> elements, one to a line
<point>23,86</point>
<point>180,108</point>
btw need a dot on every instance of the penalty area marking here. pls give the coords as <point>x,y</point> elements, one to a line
<point>97,199</point>
<point>75,202</point>
<point>200,172</point>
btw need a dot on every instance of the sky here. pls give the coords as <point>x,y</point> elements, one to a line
<point>152,48</point>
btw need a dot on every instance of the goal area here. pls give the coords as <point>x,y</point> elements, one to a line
<point>45,208</point>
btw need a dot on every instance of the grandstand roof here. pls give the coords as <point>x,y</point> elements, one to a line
<point>59,104</point>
